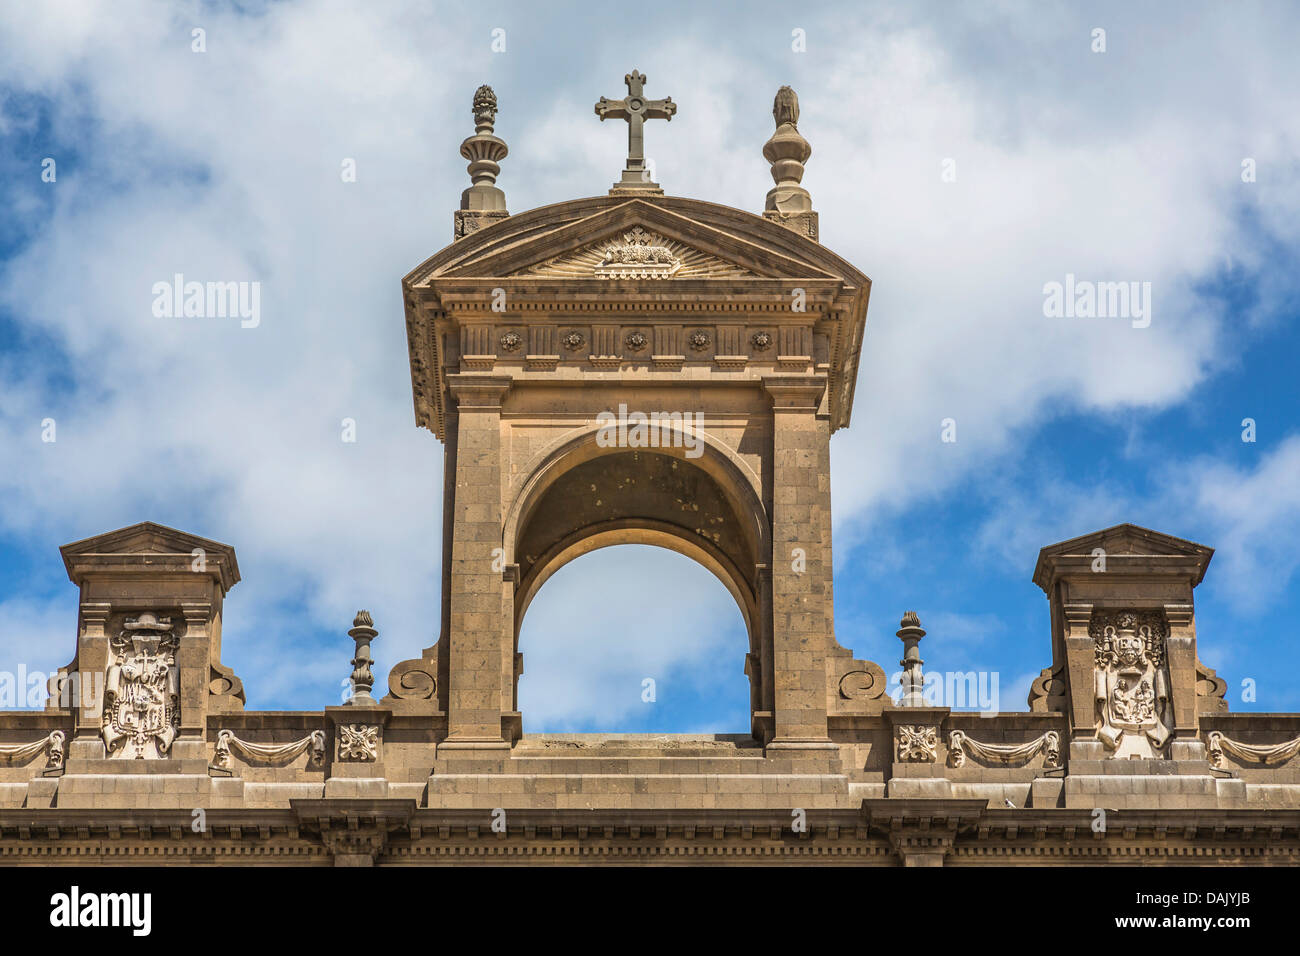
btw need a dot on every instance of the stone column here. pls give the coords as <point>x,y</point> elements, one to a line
<point>799,567</point>
<point>481,665</point>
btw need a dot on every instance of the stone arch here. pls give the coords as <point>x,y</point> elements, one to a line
<point>734,476</point>
<point>578,497</point>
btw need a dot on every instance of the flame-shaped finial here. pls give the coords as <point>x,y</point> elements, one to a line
<point>785,108</point>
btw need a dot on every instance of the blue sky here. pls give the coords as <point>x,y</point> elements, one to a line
<point>1113,166</point>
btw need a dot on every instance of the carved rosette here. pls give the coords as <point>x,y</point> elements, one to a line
<point>142,690</point>
<point>1131,682</point>
<point>918,743</point>
<point>358,742</point>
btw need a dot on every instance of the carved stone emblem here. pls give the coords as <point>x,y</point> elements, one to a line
<point>636,341</point>
<point>573,340</point>
<point>699,340</point>
<point>1131,683</point>
<point>641,255</point>
<point>918,743</point>
<point>762,341</point>
<point>142,690</point>
<point>358,741</point>
<point>511,341</point>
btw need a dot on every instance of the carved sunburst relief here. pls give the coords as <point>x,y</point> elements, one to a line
<point>637,253</point>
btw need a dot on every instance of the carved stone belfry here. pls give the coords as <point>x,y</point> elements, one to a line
<point>739,335</point>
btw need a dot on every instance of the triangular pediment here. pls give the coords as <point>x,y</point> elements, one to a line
<point>1124,541</point>
<point>670,238</point>
<point>1127,539</point>
<point>147,538</point>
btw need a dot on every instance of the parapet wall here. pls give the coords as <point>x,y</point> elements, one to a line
<point>145,752</point>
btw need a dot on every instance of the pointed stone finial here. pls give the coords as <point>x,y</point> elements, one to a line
<point>910,633</point>
<point>787,202</point>
<point>484,202</point>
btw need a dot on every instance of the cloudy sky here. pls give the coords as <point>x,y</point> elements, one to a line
<point>1169,158</point>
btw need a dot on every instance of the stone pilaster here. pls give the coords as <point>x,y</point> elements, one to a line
<point>481,615</point>
<point>1079,668</point>
<point>799,616</point>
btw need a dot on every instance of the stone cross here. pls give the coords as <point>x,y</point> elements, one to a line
<point>636,109</point>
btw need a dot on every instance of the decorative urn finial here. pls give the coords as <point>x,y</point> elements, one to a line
<point>484,201</point>
<point>787,202</point>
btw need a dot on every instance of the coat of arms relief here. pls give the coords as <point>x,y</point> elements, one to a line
<point>142,690</point>
<point>1131,682</point>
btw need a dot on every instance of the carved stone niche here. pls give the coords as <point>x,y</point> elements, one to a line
<point>1124,668</point>
<point>147,670</point>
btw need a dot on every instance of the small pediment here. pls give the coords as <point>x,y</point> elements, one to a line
<point>148,538</point>
<point>1124,541</point>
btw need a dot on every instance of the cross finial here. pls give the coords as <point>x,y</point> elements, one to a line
<point>636,109</point>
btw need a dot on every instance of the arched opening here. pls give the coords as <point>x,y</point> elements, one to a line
<point>634,638</point>
<point>582,497</point>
